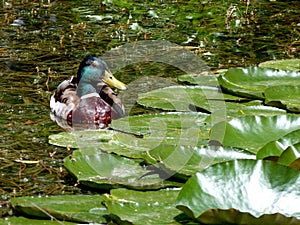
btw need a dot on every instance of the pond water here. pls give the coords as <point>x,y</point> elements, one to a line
<point>42,43</point>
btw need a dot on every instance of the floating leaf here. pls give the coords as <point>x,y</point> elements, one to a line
<point>206,99</point>
<point>187,160</point>
<point>285,64</point>
<point>199,79</point>
<point>287,95</point>
<point>253,81</point>
<point>185,98</point>
<point>106,171</point>
<point>62,208</point>
<point>150,124</point>
<point>25,221</point>
<point>250,108</point>
<point>276,148</point>
<point>148,208</point>
<point>253,132</point>
<point>289,155</point>
<point>76,138</point>
<point>243,192</point>
<point>133,147</point>
<point>189,128</point>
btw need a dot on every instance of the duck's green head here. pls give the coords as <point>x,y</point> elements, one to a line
<point>93,72</point>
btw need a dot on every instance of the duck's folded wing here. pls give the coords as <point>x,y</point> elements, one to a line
<point>64,99</point>
<point>111,98</point>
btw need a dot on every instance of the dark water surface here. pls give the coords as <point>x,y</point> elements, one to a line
<point>42,43</point>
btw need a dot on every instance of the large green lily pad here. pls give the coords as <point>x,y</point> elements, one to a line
<point>285,64</point>
<point>164,128</point>
<point>105,171</point>
<point>64,208</point>
<point>243,192</point>
<point>185,98</point>
<point>254,132</point>
<point>208,99</point>
<point>147,208</point>
<point>253,81</point>
<point>287,95</point>
<point>187,160</point>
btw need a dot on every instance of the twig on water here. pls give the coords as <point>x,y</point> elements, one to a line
<point>48,214</point>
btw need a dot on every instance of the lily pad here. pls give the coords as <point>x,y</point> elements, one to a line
<point>287,95</point>
<point>277,147</point>
<point>132,147</point>
<point>185,98</point>
<point>243,192</point>
<point>106,171</point>
<point>196,98</point>
<point>187,160</point>
<point>199,79</point>
<point>258,110</point>
<point>235,109</point>
<point>289,155</point>
<point>64,208</point>
<point>25,221</point>
<point>148,208</point>
<point>252,82</point>
<point>151,123</point>
<point>285,64</point>
<point>76,138</point>
<point>189,128</point>
<point>254,132</point>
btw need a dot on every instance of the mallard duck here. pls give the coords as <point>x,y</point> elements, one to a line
<point>88,99</point>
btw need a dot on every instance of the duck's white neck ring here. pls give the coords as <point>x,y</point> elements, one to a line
<point>90,95</point>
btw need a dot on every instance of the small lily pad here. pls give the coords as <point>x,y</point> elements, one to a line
<point>76,138</point>
<point>243,192</point>
<point>105,171</point>
<point>285,64</point>
<point>62,208</point>
<point>199,79</point>
<point>148,208</point>
<point>25,221</point>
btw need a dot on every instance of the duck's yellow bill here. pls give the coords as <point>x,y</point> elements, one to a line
<point>112,81</point>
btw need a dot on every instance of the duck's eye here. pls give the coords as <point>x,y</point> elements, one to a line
<point>89,62</point>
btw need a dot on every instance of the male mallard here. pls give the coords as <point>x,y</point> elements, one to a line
<point>88,100</point>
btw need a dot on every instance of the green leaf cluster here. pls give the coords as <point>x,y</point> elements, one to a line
<point>225,154</point>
